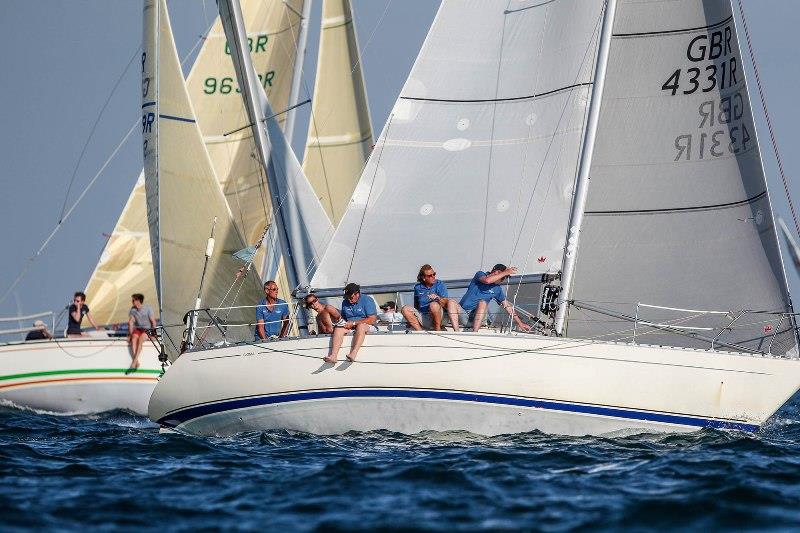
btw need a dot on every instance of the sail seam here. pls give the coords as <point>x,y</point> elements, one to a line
<point>511,99</point>
<point>680,209</point>
<point>668,32</point>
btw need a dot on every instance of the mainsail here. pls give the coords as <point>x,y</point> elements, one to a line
<point>678,213</point>
<point>273,30</point>
<point>339,130</point>
<point>477,162</point>
<point>183,195</point>
<point>126,264</point>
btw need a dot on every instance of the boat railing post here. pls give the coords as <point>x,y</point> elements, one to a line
<point>727,328</point>
<point>775,333</point>
<point>635,322</point>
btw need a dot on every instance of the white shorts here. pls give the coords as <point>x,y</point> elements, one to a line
<point>425,319</point>
<point>370,328</point>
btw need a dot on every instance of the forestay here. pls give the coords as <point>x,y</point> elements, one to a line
<point>678,212</point>
<point>125,266</point>
<point>339,130</point>
<point>183,196</point>
<point>477,162</point>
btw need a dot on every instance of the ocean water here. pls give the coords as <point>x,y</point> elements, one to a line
<point>117,472</point>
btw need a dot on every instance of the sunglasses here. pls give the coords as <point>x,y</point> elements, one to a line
<point>271,289</point>
<point>431,275</point>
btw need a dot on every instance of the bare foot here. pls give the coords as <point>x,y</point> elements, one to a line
<point>351,358</point>
<point>331,359</point>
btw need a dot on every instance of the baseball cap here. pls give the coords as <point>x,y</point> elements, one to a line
<point>351,288</point>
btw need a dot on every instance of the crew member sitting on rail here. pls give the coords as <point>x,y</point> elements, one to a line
<point>272,314</point>
<point>358,316</point>
<point>39,332</point>
<point>327,315</point>
<point>483,289</point>
<point>430,301</point>
<point>77,311</point>
<point>141,321</point>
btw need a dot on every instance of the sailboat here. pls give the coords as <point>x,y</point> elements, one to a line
<point>607,149</point>
<point>88,375</point>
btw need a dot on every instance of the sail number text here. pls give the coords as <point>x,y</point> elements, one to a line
<point>732,137</point>
<point>721,74</point>
<point>228,85</point>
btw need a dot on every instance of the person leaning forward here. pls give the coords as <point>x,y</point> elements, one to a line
<point>484,288</point>
<point>430,301</point>
<point>327,315</point>
<point>358,316</point>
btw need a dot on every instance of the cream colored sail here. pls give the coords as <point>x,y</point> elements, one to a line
<point>125,266</point>
<point>339,132</point>
<point>272,28</point>
<point>183,195</point>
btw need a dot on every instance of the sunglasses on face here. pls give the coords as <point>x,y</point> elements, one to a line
<point>430,275</point>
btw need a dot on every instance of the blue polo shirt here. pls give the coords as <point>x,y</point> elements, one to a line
<point>360,310</point>
<point>478,291</point>
<point>422,295</point>
<point>272,319</point>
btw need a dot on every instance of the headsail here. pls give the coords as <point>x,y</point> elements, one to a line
<point>272,32</point>
<point>339,130</point>
<point>183,196</point>
<point>126,264</point>
<point>678,212</point>
<point>477,162</point>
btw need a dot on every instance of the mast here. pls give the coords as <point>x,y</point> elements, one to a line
<point>300,56</point>
<point>232,21</point>
<point>582,183</point>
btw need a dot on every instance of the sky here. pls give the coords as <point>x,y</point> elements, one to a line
<point>63,58</point>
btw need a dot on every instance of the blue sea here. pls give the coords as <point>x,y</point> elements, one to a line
<point>117,472</point>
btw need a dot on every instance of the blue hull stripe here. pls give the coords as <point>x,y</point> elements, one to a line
<point>180,119</point>
<point>184,415</point>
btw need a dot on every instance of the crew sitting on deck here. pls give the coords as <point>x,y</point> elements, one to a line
<point>430,301</point>
<point>77,311</point>
<point>39,332</point>
<point>141,321</point>
<point>484,288</point>
<point>327,315</point>
<point>358,316</point>
<point>272,314</point>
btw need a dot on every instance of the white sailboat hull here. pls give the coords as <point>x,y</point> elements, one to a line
<point>483,383</point>
<point>77,376</point>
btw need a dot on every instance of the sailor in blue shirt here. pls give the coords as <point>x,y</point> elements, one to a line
<point>272,314</point>
<point>359,315</point>
<point>483,289</point>
<point>430,299</point>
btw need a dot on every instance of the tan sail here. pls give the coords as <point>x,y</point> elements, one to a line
<point>125,266</point>
<point>340,131</point>
<point>184,198</point>
<point>273,28</point>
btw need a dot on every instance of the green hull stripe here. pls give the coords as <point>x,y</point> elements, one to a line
<point>82,371</point>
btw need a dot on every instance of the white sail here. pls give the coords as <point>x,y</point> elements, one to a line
<point>678,213</point>
<point>183,195</point>
<point>126,264</point>
<point>339,130</point>
<point>477,162</point>
<point>272,32</point>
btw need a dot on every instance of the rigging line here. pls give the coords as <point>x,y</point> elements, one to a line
<point>369,195</point>
<point>491,145</point>
<point>68,213</point>
<point>769,121</point>
<point>93,129</point>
